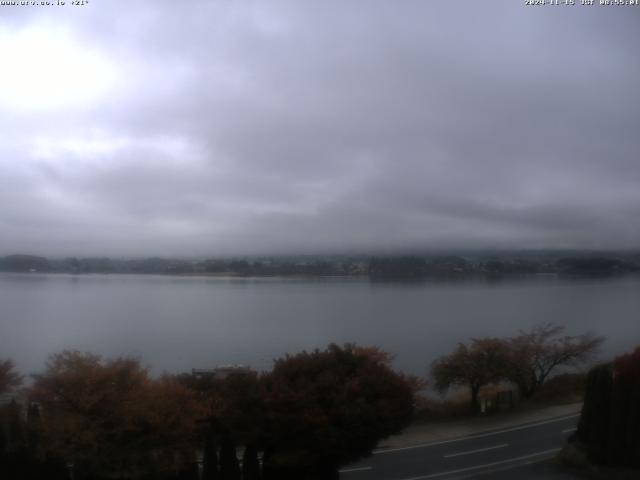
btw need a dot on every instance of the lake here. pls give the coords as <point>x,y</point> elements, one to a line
<point>177,323</point>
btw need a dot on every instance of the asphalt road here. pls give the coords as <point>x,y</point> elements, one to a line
<point>486,455</point>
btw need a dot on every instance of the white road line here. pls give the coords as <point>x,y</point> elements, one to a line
<point>567,430</point>
<point>355,469</point>
<point>486,465</point>
<point>502,468</point>
<point>472,437</point>
<point>478,450</point>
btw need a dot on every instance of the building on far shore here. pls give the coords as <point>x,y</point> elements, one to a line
<point>222,372</point>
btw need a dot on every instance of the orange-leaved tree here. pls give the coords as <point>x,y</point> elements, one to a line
<point>109,417</point>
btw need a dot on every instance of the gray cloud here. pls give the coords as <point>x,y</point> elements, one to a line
<point>318,126</point>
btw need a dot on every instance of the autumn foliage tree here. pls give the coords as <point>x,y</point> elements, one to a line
<point>329,407</point>
<point>110,418</point>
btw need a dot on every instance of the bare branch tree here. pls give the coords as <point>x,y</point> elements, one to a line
<point>538,352</point>
<point>483,362</point>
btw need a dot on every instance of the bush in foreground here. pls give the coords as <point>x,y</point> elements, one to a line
<point>609,427</point>
<point>109,418</point>
<point>327,408</point>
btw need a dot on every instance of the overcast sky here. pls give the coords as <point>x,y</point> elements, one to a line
<point>214,127</point>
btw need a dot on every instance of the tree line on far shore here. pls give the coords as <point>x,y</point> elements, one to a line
<point>385,268</point>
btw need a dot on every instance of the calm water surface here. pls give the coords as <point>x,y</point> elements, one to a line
<point>176,323</point>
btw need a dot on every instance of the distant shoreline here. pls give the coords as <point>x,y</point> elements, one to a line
<point>397,267</point>
<point>427,278</point>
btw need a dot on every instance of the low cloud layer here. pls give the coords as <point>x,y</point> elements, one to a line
<point>161,128</point>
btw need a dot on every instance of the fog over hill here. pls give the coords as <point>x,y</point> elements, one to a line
<point>230,128</point>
